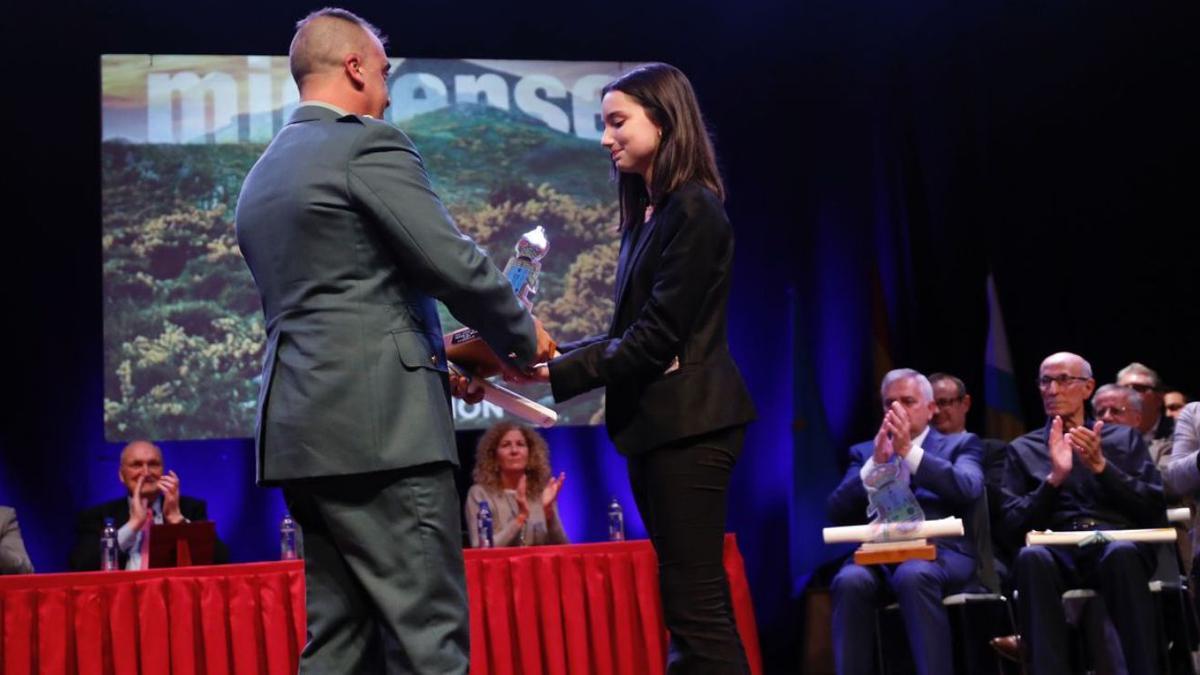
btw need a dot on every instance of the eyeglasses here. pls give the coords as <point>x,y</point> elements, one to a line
<point>1113,410</point>
<point>1063,381</point>
<point>947,402</point>
<point>1141,388</point>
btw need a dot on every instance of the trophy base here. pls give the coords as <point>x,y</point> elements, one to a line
<point>465,348</point>
<point>894,552</point>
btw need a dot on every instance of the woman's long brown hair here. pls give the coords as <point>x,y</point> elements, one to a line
<point>685,152</point>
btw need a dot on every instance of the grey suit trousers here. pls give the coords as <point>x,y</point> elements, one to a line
<point>385,574</point>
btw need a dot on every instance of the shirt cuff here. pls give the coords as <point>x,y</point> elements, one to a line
<point>866,469</point>
<point>125,537</point>
<point>913,459</point>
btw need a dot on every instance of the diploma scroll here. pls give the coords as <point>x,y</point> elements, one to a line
<point>1181,515</point>
<point>1085,537</point>
<point>881,532</point>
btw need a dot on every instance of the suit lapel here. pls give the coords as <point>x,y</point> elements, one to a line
<point>634,245</point>
<point>934,443</point>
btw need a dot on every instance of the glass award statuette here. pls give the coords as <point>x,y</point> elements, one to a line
<point>463,346</point>
<point>523,268</point>
<point>472,357</point>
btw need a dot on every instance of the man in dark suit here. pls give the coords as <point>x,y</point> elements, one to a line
<point>349,247</point>
<point>944,474</point>
<point>151,497</point>
<point>953,404</point>
<point>1079,474</point>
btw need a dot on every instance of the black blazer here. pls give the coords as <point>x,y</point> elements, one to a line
<point>672,291</point>
<point>85,555</point>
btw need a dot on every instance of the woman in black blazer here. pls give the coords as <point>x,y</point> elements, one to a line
<point>676,405</point>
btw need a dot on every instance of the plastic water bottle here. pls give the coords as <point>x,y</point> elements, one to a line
<point>108,547</point>
<point>616,521</point>
<point>483,525</point>
<point>287,538</point>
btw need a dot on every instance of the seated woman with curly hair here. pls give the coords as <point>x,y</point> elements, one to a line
<point>511,462</point>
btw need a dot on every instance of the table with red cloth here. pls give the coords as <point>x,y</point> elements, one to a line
<point>583,608</point>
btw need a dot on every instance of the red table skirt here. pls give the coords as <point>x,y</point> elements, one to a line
<point>584,608</point>
<point>588,608</point>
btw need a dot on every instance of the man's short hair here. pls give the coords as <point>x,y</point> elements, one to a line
<point>899,374</point>
<point>1085,368</point>
<point>1136,368</point>
<point>1132,398</point>
<point>959,386</point>
<point>139,441</point>
<point>311,50</point>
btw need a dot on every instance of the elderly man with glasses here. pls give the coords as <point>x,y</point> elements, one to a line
<point>1077,473</point>
<point>1155,426</point>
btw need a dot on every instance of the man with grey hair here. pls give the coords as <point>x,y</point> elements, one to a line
<point>152,497</point>
<point>1076,473</point>
<point>944,474</point>
<point>1155,425</point>
<point>350,248</point>
<point>1114,404</point>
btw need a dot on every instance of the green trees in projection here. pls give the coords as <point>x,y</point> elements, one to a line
<point>182,322</point>
<point>183,326</point>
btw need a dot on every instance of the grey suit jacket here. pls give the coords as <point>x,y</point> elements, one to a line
<point>349,247</point>
<point>1181,474</point>
<point>13,557</point>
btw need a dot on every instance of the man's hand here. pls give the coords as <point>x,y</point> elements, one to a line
<point>546,347</point>
<point>467,388</point>
<point>169,486</point>
<point>550,492</point>
<point>883,445</point>
<point>1086,443</point>
<point>1060,454</point>
<point>897,423</point>
<point>139,510</point>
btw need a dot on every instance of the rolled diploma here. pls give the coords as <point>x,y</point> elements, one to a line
<point>876,532</point>
<point>1180,515</point>
<point>511,402</point>
<point>1051,538</point>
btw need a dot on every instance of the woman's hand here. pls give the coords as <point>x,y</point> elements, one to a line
<point>522,502</point>
<point>550,493</point>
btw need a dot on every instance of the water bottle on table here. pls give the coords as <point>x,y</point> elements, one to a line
<point>288,544</point>
<point>483,525</point>
<point>108,547</point>
<point>616,521</point>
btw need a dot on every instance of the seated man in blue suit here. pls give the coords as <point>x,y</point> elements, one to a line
<point>944,474</point>
<point>1076,473</point>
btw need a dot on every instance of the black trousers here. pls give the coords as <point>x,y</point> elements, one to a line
<point>1120,571</point>
<point>384,570</point>
<point>682,494</point>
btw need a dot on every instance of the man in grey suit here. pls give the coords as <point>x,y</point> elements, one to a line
<point>13,558</point>
<point>349,247</point>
